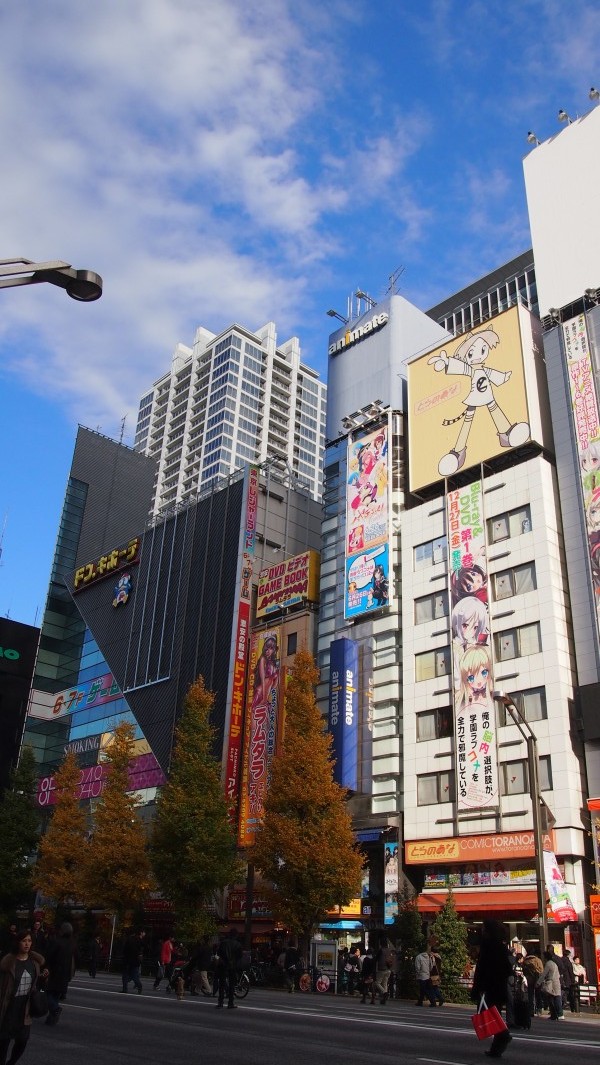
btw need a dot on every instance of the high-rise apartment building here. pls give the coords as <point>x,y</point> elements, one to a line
<point>234,398</point>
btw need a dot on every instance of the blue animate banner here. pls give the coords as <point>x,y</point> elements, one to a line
<point>343,711</point>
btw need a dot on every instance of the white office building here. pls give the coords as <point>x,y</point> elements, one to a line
<point>234,398</point>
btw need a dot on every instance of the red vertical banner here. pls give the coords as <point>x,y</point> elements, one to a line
<point>237,684</point>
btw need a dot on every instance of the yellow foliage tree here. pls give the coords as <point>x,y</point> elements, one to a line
<point>306,847</point>
<point>58,870</point>
<point>116,870</point>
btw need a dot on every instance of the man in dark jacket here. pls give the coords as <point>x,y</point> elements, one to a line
<point>133,952</point>
<point>229,953</point>
<point>60,963</point>
<point>494,966</point>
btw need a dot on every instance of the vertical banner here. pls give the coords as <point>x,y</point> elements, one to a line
<point>390,882</point>
<point>586,423</point>
<point>368,523</point>
<point>343,711</point>
<point>474,709</point>
<point>237,682</point>
<point>260,734</point>
<point>560,900</point>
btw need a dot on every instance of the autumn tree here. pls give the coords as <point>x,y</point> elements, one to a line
<point>193,844</point>
<point>448,936</point>
<point>58,871</point>
<point>116,870</point>
<point>18,835</point>
<point>407,930</point>
<point>306,848</point>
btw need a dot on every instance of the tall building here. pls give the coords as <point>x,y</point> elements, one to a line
<point>232,399</point>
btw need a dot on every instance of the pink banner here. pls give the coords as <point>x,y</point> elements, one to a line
<point>144,772</point>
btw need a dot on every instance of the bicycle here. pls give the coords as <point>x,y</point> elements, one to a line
<point>313,979</point>
<point>242,985</point>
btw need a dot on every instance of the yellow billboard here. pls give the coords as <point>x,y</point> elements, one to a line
<point>287,583</point>
<point>448,391</point>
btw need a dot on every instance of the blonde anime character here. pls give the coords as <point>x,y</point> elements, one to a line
<point>475,678</point>
<point>468,360</point>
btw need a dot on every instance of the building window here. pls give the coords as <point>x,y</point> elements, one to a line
<point>433,788</point>
<point>515,581</point>
<point>292,643</point>
<point>432,664</point>
<point>514,776</point>
<point>512,523</point>
<point>431,607</point>
<point>434,724</point>
<point>430,553</point>
<point>531,703</point>
<point>518,643</point>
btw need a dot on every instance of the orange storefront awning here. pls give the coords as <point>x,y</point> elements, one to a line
<point>495,899</point>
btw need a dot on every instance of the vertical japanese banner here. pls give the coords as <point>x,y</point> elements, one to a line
<point>237,681</point>
<point>368,523</point>
<point>560,899</point>
<point>390,881</point>
<point>260,733</point>
<point>343,710</point>
<point>586,423</point>
<point>472,667</point>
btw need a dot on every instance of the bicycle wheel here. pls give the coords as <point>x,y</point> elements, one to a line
<point>242,986</point>
<point>323,983</point>
<point>305,982</point>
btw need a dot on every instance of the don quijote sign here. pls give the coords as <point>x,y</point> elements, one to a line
<point>287,583</point>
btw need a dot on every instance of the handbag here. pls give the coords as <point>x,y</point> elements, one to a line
<point>38,1003</point>
<point>487,1021</point>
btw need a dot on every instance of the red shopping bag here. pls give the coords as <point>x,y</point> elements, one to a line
<point>487,1021</point>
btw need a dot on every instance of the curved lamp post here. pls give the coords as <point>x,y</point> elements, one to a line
<point>82,285</point>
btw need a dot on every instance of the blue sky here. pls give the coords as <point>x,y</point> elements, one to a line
<point>229,160</point>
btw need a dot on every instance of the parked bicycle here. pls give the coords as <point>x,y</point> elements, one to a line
<point>314,979</point>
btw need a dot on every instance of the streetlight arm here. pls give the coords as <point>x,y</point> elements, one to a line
<point>82,285</point>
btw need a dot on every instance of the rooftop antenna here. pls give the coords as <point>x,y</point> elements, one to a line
<point>393,280</point>
<point>123,420</point>
<point>2,536</point>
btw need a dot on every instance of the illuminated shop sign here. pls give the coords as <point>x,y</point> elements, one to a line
<point>48,706</point>
<point>352,336</point>
<point>107,564</point>
<point>343,711</point>
<point>473,848</point>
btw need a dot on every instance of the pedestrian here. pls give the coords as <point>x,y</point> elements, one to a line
<point>580,978</point>
<point>383,967</point>
<point>198,966</point>
<point>550,982</point>
<point>291,967</point>
<point>94,955</point>
<point>165,962</point>
<point>133,953</point>
<point>352,968</point>
<point>435,981</point>
<point>229,953</point>
<point>367,973</point>
<point>424,963</point>
<point>19,973</point>
<point>491,975</point>
<point>533,969</point>
<point>569,982</point>
<point>60,963</point>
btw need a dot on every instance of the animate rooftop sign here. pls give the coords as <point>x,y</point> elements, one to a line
<point>351,336</point>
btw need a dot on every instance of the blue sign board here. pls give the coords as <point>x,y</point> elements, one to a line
<point>343,710</point>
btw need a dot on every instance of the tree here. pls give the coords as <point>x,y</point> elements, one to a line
<point>448,936</point>
<point>18,835</point>
<point>193,844</point>
<point>58,871</point>
<point>117,872</point>
<point>407,930</point>
<point>306,848</point>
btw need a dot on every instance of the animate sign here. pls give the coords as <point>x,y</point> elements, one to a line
<point>107,564</point>
<point>9,652</point>
<point>288,583</point>
<point>352,336</point>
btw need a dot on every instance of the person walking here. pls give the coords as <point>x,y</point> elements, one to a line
<point>424,963</point>
<point>367,973</point>
<point>229,953</point>
<point>20,971</point>
<point>199,965</point>
<point>60,964</point>
<point>291,967</point>
<point>491,975</point>
<point>533,968</point>
<point>580,978</point>
<point>550,982</point>
<point>94,955</point>
<point>165,962</point>
<point>133,953</point>
<point>383,967</point>
<point>435,981</point>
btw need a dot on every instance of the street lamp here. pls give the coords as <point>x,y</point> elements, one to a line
<point>536,803</point>
<point>82,285</point>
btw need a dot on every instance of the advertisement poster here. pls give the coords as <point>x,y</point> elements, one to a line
<point>586,423</point>
<point>296,580</point>
<point>367,523</point>
<point>89,693</point>
<point>260,734</point>
<point>472,666</point>
<point>467,401</point>
<point>559,898</point>
<point>343,711</point>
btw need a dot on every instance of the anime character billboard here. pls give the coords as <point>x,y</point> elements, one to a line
<point>474,708</point>
<point>261,730</point>
<point>467,401</point>
<point>586,423</point>
<point>367,523</point>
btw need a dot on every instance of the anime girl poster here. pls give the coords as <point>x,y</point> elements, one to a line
<point>367,523</point>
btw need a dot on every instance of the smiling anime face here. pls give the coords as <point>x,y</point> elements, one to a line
<point>478,352</point>
<point>477,682</point>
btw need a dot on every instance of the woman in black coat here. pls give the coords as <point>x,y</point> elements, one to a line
<point>491,977</point>
<point>19,974</point>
